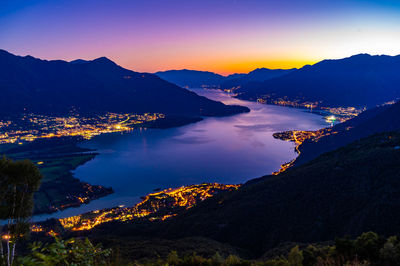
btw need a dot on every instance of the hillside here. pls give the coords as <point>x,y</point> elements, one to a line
<point>191,78</point>
<point>345,192</point>
<point>197,79</point>
<point>29,84</point>
<point>359,81</point>
<point>257,75</point>
<point>380,119</point>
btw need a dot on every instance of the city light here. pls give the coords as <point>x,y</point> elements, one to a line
<point>29,127</point>
<point>155,206</point>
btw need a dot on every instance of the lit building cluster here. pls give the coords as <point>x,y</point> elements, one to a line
<point>156,206</point>
<point>340,114</point>
<point>298,137</point>
<point>285,101</point>
<point>32,126</point>
<point>88,193</point>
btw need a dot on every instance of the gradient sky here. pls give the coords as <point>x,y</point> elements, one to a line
<point>224,36</point>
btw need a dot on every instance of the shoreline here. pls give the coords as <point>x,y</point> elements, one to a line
<point>58,157</point>
<point>168,122</point>
<point>156,206</point>
<point>86,193</point>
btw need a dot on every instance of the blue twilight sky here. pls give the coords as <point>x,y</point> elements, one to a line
<point>218,35</point>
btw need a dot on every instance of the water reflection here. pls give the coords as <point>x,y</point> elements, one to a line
<point>225,150</point>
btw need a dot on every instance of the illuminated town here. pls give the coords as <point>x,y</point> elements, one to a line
<point>32,126</point>
<point>298,137</point>
<point>340,114</point>
<point>156,206</point>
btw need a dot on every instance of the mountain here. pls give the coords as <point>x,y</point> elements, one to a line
<point>197,79</point>
<point>379,119</point>
<point>257,75</point>
<point>100,85</point>
<point>359,81</point>
<point>351,190</point>
<point>192,78</point>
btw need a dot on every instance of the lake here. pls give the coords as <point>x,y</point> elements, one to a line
<point>228,150</point>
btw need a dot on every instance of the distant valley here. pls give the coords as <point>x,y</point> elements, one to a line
<point>358,81</point>
<point>205,79</point>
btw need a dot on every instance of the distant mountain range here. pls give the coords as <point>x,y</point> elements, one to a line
<point>197,79</point>
<point>191,78</point>
<point>257,75</point>
<point>28,84</point>
<point>359,81</point>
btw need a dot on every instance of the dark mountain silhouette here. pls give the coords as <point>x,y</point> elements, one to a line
<point>197,79</point>
<point>31,84</point>
<point>360,80</point>
<point>380,119</point>
<point>236,75</point>
<point>345,192</point>
<point>192,78</point>
<point>257,75</point>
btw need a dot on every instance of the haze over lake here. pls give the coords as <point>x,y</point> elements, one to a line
<point>227,150</point>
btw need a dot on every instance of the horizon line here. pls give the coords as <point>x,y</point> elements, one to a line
<point>221,73</point>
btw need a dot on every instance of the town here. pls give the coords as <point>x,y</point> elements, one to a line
<point>298,137</point>
<point>332,114</point>
<point>155,206</point>
<point>28,127</point>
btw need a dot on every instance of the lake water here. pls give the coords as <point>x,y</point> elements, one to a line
<point>228,150</point>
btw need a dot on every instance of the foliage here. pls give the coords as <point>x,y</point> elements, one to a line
<point>66,252</point>
<point>367,249</point>
<point>368,246</point>
<point>295,257</point>
<point>58,157</point>
<point>18,182</point>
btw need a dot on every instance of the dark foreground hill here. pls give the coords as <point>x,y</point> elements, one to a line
<point>380,119</point>
<point>360,80</point>
<point>345,192</point>
<point>29,84</point>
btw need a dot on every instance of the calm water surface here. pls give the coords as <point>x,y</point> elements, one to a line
<point>225,150</point>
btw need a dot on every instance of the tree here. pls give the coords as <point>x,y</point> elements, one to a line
<point>309,256</point>
<point>390,252</point>
<point>67,252</point>
<point>295,257</point>
<point>18,182</point>
<point>217,259</point>
<point>173,258</point>
<point>368,246</point>
<point>345,248</point>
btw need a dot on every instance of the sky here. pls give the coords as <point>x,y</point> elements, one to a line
<point>223,36</point>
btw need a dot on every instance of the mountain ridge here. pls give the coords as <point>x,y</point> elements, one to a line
<point>30,84</point>
<point>360,80</point>
<point>197,78</point>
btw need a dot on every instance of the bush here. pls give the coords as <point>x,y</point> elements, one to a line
<point>68,252</point>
